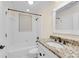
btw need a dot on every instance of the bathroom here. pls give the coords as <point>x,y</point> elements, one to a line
<point>39,29</point>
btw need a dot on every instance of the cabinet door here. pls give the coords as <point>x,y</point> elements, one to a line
<point>45,53</point>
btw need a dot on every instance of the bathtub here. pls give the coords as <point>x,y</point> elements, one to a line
<point>29,52</point>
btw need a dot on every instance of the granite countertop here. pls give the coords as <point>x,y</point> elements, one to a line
<point>66,52</point>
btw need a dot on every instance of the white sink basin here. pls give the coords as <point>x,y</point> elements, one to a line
<point>54,44</point>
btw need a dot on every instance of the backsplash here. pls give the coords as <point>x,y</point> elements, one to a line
<point>65,41</point>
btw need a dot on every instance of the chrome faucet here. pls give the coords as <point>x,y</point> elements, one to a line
<point>2,46</point>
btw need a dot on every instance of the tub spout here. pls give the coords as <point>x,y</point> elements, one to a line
<point>2,46</point>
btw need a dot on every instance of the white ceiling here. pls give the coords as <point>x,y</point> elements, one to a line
<point>38,5</point>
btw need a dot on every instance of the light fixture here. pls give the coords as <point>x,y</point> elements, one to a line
<point>30,2</point>
<point>28,10</point>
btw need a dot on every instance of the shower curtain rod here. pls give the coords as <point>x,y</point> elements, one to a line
<point>24,12</point>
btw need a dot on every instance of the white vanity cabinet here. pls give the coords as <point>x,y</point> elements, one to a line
<point>45,53</point>
<point>66,18</point>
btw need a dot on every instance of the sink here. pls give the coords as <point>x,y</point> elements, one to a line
<point>54,44</point>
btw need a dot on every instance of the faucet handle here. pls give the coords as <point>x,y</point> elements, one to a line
<point>64,42</point>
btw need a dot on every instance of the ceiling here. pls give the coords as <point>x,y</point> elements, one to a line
<point>38,5</point>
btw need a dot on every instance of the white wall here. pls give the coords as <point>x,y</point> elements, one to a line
<point>1,25</point>
<point>3,9</point>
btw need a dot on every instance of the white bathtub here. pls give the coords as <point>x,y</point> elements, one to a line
<point>23,52</point>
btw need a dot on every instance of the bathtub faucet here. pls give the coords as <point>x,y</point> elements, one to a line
<point>2,46</point>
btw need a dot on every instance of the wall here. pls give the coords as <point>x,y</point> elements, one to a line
<point>3,9</point>
<point>1,31</point>
<point>46,19</point>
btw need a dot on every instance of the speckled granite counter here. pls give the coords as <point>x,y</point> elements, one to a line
<point>69,50</point>
<point>53,50</point>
